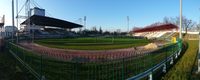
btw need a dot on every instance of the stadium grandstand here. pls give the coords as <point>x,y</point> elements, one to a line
<point>156,31</point>
<point>48,27</point>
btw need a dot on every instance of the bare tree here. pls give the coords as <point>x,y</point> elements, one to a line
<point>186,23</point>
<point>197,28</point>
<point>155,24</point>
<point>166,20</point>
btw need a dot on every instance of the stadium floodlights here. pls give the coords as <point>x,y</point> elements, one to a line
<point>180,32</point>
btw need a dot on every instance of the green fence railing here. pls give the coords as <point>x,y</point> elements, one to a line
<point>45,67</point>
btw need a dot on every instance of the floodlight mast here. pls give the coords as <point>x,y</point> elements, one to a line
<point>128,24</point>
<point>13,21</point>
<point>198,70</point>
<point>199,51</point>
<point>85,18</point>
<point>17,20</point>
<point>180,32</point>
<point>27,12</point>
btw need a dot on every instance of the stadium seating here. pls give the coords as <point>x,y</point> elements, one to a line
<point>85,56</point>
<point>150,35</point>
<point>53,33</point>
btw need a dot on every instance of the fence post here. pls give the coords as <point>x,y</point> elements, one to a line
<point>41,66</point>
<point>164,68</point>
<point>43,78</point>
<point>123,69</point>
<point>150,76</point>
<point>172,61</point>
<point>151,61</point>
<point>176,49</point>
<point>176,55</point>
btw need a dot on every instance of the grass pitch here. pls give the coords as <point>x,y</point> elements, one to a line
<point>92,43</point>
<point>183,68</point>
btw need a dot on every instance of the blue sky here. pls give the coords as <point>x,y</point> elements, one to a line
<point>111,14</point>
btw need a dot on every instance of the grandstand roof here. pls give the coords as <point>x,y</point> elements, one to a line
<point>156,28</point>
<point>49,21</point>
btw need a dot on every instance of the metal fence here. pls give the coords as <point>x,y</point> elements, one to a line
<point>135,66</point>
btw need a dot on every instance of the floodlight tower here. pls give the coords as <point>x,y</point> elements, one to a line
<point>13,21</point>
<point>199,55</point>
<point>17,20</point>
<point>80,22</point>
<point>180,32</point>
<point>128,24</point>
<point>199,52</point>
<point>27,12</point>
<point>85,21</point>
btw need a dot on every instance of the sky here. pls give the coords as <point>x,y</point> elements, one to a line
<point>110,14</point>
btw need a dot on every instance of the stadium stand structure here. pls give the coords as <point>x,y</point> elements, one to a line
<point>48,27</point>
<point>153,32</point>
<point>53,33</point>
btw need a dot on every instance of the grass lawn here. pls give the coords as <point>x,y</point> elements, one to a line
<point>92,43</point>
<point>8,69</point>
<point>182,69</point>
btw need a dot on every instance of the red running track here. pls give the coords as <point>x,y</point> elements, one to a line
<point>84,55</point>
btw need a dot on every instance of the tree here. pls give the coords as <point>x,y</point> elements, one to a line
<point>186,23</point>
<point>171,20</point>
<point>136,28</point>
<point>197,28</point>
<point>155,24</point>
<point>100,31</point>
<point>166,20</point>
<point>106,33</point>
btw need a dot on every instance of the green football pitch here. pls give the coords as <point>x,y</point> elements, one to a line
<point>92,43</point>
